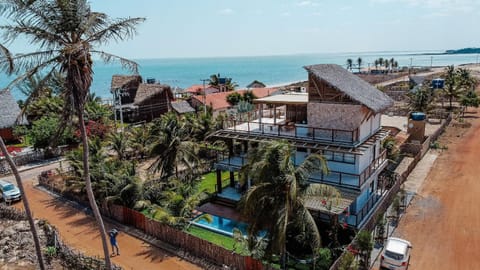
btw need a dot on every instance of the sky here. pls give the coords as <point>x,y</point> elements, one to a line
<point>209,28</point>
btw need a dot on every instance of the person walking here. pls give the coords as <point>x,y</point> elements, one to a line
<point>113,241</point>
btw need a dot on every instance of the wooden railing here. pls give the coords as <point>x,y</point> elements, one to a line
<point>292,130</point>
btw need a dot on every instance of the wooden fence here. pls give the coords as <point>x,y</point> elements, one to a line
<point>185,242</point>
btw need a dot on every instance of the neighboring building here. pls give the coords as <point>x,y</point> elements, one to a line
<point>140,101</point>
<point>338,117</point>
<point>10,115</point>
<point>218,101</point>
<point>182,106</point>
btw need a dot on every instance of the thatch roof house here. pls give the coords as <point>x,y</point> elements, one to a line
<point>256,84</point>
<point>152,100</point>
<point>127,84</point>
<point>10,115</point>
<point>140,101</point>
<point>339,99</point>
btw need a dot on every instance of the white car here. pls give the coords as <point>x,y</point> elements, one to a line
<point>396,254</point>
<point>9,192</point>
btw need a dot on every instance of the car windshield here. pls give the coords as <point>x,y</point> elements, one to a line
<point>393,255</point>
<point>8,187</point>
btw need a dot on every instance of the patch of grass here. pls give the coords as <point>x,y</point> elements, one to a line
<point>224,241</point>
<point>209,181</point>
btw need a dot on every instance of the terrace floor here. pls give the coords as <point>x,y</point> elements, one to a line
<point>221,211</point>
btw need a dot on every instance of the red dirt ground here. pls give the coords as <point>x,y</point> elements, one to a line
<point>80,231</point>
<point>443,222</point>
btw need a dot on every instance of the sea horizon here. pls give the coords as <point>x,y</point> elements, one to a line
<point>273,70</point>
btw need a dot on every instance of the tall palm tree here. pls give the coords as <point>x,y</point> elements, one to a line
<point>276,201</point>
<point>457,82</point>
<point>66,33</point>
<point>173,147</point>
<point>8,66</point>
<point>359,64</point>
<point>26,204</point>
<point>349,63</point>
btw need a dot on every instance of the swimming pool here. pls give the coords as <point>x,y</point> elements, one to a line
<point>221,225</point>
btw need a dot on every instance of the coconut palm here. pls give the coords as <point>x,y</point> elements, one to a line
<point>66,33</point>
<point>359,64</point>
<point>349,63</point>
<point>173,147</point>
<point>26,204</point>
<point>457,82</point>
<point>276,202</point>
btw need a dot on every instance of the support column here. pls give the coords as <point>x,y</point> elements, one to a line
<point>232,179</point>
<point>219,181</point>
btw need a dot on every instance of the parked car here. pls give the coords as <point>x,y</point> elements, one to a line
<point>9,192</point>
<point>396,254</point>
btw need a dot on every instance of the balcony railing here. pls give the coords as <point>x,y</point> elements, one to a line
<point>334,177</point>
<point>285,129</point>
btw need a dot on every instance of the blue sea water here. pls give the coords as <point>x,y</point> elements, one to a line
<point>271,70</point>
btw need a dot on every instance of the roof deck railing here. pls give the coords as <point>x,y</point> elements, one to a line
<point>288,130</point>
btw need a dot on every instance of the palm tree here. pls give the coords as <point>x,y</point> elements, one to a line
<point>26,204</point>
<point>376,64</point>
<point>457,82</point>
<point>276,201</point>
<point>387,65</point>
<point>359,64</point>
<point>173,146</point>
<point>66,33</point>
<point>349,63</point>
<point>118,143</point>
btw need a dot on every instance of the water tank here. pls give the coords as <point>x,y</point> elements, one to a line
<point>150,80</point>
<point>417,116</point>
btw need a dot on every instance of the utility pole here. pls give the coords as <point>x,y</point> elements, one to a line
<point>431,61</point>
<point>204,96</point>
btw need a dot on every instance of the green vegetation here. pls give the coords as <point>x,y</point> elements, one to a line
<point>219,239</point>
<point>209,180</point>
<point>276,202</point>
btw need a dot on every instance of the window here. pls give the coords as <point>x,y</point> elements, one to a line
<point>349,158</point>
<point>338,157</point>
<point>328,155</point>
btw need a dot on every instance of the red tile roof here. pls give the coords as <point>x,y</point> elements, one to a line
<point>218,101</point>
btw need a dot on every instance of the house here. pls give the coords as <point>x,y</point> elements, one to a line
<point>338,117</point>
<point>218,101</point>
<point>182,106</point>
<point>137,101</point>
<point>9,115</point>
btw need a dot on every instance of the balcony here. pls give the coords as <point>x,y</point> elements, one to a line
<point>282,128</point>
<point>356,181</point>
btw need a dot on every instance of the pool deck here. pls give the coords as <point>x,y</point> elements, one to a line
<point>221,211</point>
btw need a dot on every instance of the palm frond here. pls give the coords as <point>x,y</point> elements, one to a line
<point>118,30</point>
<point>109,58</point>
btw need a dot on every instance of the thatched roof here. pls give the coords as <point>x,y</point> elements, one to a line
<point>9,110</point>
<point>256,84</point>
<point>146,91</point>
<point>182,107</point>
<point>125,81</point>
<point>351,85</point>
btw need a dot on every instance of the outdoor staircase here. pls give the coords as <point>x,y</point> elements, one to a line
<point>225,202</point>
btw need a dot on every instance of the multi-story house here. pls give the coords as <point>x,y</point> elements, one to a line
<point>338,117</point>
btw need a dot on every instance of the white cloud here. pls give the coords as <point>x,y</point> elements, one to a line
<point>285,14</point>
<point>226,11</point>
<point>307,3</point>
<point>304,3</point>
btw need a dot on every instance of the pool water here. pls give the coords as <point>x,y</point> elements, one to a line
<point>221,225</point>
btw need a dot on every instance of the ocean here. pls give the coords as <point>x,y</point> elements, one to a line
<point>271,70</point>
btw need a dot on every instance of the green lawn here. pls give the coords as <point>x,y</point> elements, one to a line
<point>224,241</point>
<point>209,181</point>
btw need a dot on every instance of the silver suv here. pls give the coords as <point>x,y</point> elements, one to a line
<point>9,192</point>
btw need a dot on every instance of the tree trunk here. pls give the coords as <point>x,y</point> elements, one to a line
<point>38,250</point>
<point>88,185</point>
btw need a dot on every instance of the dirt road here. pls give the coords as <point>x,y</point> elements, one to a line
<point>79,230</point>
<point>443,222</point>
